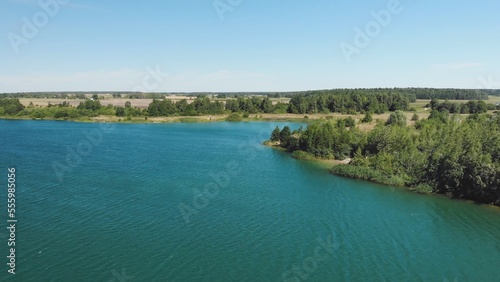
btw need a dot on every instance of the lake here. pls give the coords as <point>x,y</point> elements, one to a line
<point>208,202</point>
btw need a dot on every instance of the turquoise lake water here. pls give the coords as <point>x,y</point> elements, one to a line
<point>208,202</point>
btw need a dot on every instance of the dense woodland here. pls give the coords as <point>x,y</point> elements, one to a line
<point>471,107</point>
<point>378,101</point>
<point>349,102</point>
<point>446,154</point>
<point>203,106</point>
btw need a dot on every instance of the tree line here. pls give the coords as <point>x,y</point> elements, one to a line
<point>471,107</point>
<point>446,154</point>
<point>349,102</point>
<point>202,105</point>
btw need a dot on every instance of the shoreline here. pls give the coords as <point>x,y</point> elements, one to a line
<point>334,163</point>
<point>176,119</point>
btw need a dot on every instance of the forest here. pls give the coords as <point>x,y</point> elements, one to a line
<point>352,101</point>
<point>471,107</point>
<point>203,106</point>
<point>446,154</point>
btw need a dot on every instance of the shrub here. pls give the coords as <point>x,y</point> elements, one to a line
<point>368,118</point>
<point>397,118</point>
<point>301,155</point>
<point>234,117</point>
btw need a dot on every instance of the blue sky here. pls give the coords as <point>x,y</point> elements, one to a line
<point>271,45</point>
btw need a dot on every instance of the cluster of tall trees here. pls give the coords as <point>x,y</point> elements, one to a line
<point>10,106</point>
<point>349,101</point>
<point>451,94</point>
<point>255,105</point>
<point>200,106</point>
<point>451,155</point>
<point>471,107</point>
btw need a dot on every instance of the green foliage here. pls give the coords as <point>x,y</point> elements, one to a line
<point>471,107</point>
<point>367,118</point>
<point>234,117</point>
<point>349,101</point>
<point>275,135</point>
<point>11,106</point>
<point>301,155</point>
<point>120,112</point>
<point>350,122</point>
<point>397,118</point>
<point>285,135</point>
<point>90,105</point>
<point>415,117</point>
<point>161,108</point>
<point>366,173</point>
<point>442,154</point>
<point>128,105</point>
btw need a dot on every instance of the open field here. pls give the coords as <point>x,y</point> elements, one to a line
<point>136,103</point>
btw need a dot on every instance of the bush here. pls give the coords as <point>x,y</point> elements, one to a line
<point>423,188</point>
<point>368,118</point>
<point>301,155</point>
<point>367,173</point>
<point>120,112</point>
<point>234,117</point>
<point>397,118</point>
<point>350,122</point>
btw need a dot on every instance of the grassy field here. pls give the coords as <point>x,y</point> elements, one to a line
<point>108,99</point>
<point>419,106</point>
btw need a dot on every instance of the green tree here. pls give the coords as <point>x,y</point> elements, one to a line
<point>275,135</point>
<point>397,118</point>
<point>128,105</point>
<point>120,112</point>
<point>368,118</point>
<point>285,135</point>
<point>350,122</point>
<point>181,105</point>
